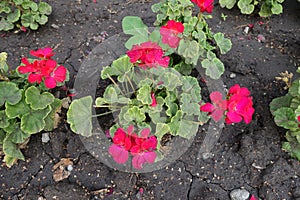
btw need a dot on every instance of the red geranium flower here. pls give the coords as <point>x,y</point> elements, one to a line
<point>58,75</point>
<point>217,109</point>
<point>240,105</point>
<point>205,5</point>
<point>43,70</point>
<point>148,55</point>
<point>140,147</point>
<point>45,53</point>
<point>170,32</point>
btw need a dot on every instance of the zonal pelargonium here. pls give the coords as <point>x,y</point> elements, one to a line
<point>151,90</point>
<point>27,108</point>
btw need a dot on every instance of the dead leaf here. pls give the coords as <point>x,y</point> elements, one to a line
<point>60,169</point>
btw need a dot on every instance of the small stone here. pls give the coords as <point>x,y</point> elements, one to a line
<point>55,26</point>
<point>232,75</point>
<point>69,168</point>
<point>239,194</point>
<point>246,30</point>
<point>207,155</point>
<point>45,138</point>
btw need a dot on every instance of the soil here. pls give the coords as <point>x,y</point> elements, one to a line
<point>245,156</point>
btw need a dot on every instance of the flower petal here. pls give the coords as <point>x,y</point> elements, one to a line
<point>50,82</point>
<point>119,154</point>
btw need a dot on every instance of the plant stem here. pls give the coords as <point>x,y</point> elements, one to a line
<point>112,80</point>
<point>130,83</point>
<point>102,114</point>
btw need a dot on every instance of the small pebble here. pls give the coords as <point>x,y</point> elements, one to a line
<point>232,75</point>
<point>70,168</point>
<point>55,26</point>
<point>45,138</point>
<point>239,194</point>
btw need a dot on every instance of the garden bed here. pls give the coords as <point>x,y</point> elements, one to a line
<point>245,156</point>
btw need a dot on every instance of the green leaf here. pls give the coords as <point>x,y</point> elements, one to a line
<point>245,6</point>
<point>16,134</point>
<point>30,5</point>
<point>134,114</point>
<point>190,50</point>
<point>45,8</point>
<point>6,25</point>
<point>14,16</point>
<point>2,136</point>
<point>18,2</point>
<point>174,124</point>
<point>280,102</point>
<point>144,94</point>
<point>227,3</point>
<point>171,79</point>
<point>17,110</point>
<point>11,149</point>
<point>294,90</point>
<point>52,118</point>
<point>184,68</point>
<point>120,67</point>
<point>265,10</point>
<point>137,39</point>
<point>9,92</point>
<point>214,68</point>
<point>37,100</point>
<point>161,130</point>
<point>43,19</point>
<point>3,62</point>
<point>34,121</point>
<point>134,25</point>
<point>276,8</point>
<point>187,129</point>
<point>79,116</point>
<point>188,106</point>
<point>28,20</point>
<point>4,120</point>
<point>223,43</point>
<point>285,117</point>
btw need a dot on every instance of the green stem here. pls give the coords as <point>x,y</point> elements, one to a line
<point>107,106</point>
<point>106,113</point>
<point>112,80</point>
<point>130,83</point>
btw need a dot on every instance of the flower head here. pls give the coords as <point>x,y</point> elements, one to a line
<point>217,109</point>
<point>45,69</point>
<point>205,5</point>
<point>170,32</point>
<point>240,105</point>
<point>148,55</point>
<point>45,53</point>
<point>141,147</point>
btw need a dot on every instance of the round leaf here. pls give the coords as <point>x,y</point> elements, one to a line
<point>80,116</point>
<point>34,121</point>
<point>10,93</point>
<point>37,100</point>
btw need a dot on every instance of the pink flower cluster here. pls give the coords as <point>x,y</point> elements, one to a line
<point>148,55</point>
<point>170,32</point>
<point>237,107</point>
<point>142,147</point>
<point>205,5</point>
<point>43,70</point>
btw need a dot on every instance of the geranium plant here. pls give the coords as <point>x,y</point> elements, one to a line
<point>23,14</point>
<point>267,7</point>
<point>286,111</point>
<point>26,107</point>
<point>152,94</point>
